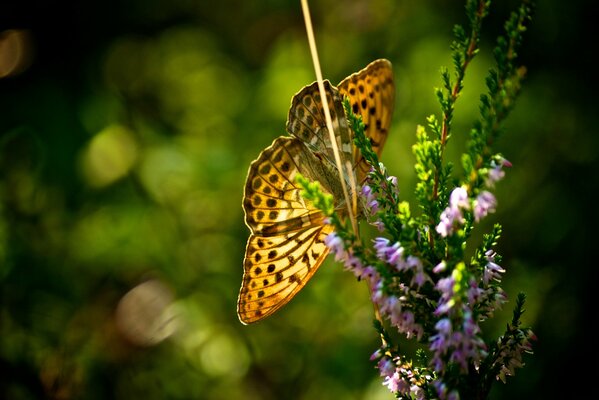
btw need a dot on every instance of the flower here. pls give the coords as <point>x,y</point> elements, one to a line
<point>392,181</point>
<point>459,346</point>
<point>401,378</point>
<point>392,308</point>
<point>372,205</point>
<point>459,198</point>
<point>395,383</point>
<point>496,173</point>
<point>350,261</point>
<point>510,351</point>
<point>442,266</point>
<point>415,264</point>
<point>492,271</point>
<point>484,204</point>
<point>386,366</point>
<point>442,391</point>
<point>452,215</point>
<point>394,255</point>
<point>445,286</point>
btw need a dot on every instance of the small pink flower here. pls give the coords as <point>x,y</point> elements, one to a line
<point>484,204</point>
<point>496,173</point>
<point>452,216</point>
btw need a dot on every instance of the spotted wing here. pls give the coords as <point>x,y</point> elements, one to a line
<point>307,122</point>
<point>286,245</point>
<point>371,93</point>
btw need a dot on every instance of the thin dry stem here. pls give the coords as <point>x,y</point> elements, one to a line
<point>327,113</point>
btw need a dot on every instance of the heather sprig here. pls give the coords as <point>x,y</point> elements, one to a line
<point>427,284</point>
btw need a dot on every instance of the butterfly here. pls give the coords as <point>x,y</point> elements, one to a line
<point>286,244</point>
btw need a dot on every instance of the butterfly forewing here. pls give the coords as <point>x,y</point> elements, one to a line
<point>371,93</point>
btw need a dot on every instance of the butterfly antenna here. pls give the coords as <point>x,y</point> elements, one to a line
<point>327,113</point>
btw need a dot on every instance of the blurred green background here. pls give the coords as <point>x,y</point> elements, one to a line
<point>126,131</point>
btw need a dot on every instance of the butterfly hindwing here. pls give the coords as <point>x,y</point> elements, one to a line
<point>307,122</point>
<point>286,246</point>
<point>277,267</point>
<point>371,93</point>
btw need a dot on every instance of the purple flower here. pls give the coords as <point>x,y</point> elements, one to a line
<point>372,205</point>
<point>400,378</point>
<point>496,173</point>
<point>452,215</point>
<point>368,274</point>
<point>492,271</point>
<point>416,266</point>
<point>445,286</point>
<point>350,261</point>
<point>442,391</point>
<point>388,253</point>
<point>394,255</point>
<point>439,342</point>
<point>380,225</point>
<point>484,204</point>
<point>442,266</point>
<point>390,181</point>
<point>376,355</point>
<point>367,192</point>
<point>336,245</point>
<point>459,198</point>
<point>386,366</point>
<point>392,309</point>
<point>417,392</point>
<point>462,345</point>
<point>396,383</point>
<point>510,352</point>
<point>474,293</point>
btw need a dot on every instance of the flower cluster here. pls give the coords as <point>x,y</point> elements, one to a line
<point>372,207</point>
<point>394,255</point>
<point>441,305</point>
<point>349,260</point>
<point>511,348</point>
<point>453,217</point>
<point>459,345</point>
<point>401,377</point>
<point>426,283</point>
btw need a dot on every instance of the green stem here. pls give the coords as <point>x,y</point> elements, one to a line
<point>453,95</point>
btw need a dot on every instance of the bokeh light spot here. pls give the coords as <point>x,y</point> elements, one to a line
<point>145,315</point>
<point>109,156</point>
<point>16,52</point>
<point>224,355</point>
<point>167,173</point>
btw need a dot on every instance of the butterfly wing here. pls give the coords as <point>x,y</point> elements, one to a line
<point>307,122</point>
<point>371,93</point>
<point>286,245</point>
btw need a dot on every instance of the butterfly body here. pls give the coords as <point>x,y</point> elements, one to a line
<point>286,245</point>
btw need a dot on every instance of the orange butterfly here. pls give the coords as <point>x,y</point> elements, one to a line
<point>286,245</point>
